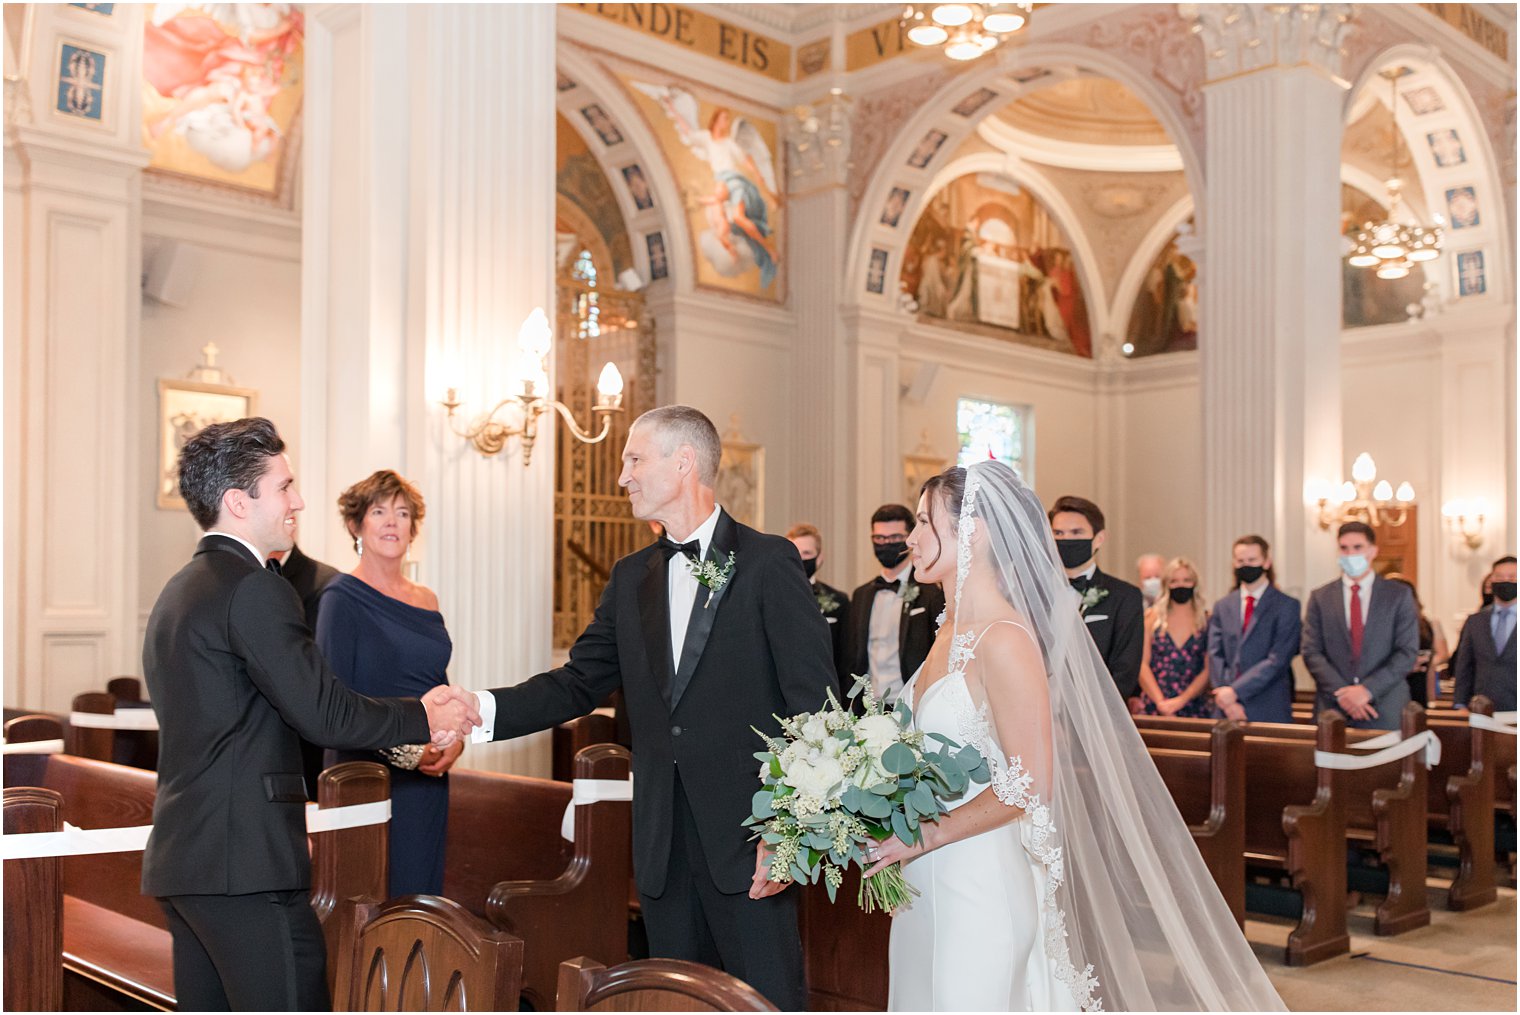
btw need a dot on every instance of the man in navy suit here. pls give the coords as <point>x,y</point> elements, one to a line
<point>1485,660</point>
<point>1361,637</point>
<point>1253,636</point>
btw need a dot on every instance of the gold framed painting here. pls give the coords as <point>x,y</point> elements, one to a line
<point>184,409</point>
<point>741,479</point>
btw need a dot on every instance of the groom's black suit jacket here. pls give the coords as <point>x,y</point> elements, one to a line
<point>761,648</point>
<point>1117,626</point>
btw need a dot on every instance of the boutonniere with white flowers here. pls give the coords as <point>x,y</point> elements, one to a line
<point>827,603</point>
<point>712,576</point>
<point>1094,595</point>
<point>909,592</point>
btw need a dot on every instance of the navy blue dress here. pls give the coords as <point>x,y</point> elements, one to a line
<point>385,648</point>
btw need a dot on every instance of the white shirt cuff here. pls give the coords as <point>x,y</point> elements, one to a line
<point>486,731</point>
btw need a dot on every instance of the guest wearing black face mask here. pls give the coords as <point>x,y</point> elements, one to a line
<point>1254,634</point>
<point>1485,659</point>
<point>1112,608</point>
<point>1174,669</point>
<point>892,617</point>
<point>831,602</point>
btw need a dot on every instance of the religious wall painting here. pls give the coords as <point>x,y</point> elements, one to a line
<point>1423,101</point>
<point>580,181</point>
<point>927,149</point>
<point>638,187</point>
<point>726,157</point>
<point>1367,300</point>
<point>81,82</point>
<point>973,103</point>
<point>876,274</point>
<point>104,10</point>
<point>891,212</point>
<point>222,90</point>
<point>1472,280</point>
<point>659,264</point>
<point>185,407</point>
<point>1446,148</point>
<point>602,124</point>
<point>741,477</point>
<point>1462,207</point>
<point>986,254</point>
<point>1165,314</point>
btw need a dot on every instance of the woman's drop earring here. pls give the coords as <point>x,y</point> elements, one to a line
<point>359,545</point>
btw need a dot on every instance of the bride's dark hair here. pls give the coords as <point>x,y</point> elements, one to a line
<point>949,486</point>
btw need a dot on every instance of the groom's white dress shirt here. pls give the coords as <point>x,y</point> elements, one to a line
<point>683,588</point>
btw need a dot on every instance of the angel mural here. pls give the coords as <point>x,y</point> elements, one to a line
<point>739,208</point>
<point>213,74</point>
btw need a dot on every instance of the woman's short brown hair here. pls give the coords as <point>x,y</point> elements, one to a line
<point>380,488</point>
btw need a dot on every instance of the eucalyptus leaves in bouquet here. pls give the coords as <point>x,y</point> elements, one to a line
<point>835,783</point>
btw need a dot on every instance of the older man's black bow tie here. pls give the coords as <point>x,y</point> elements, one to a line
<point>272,565</point>
<point>670,548</point>
<point>882,583</point>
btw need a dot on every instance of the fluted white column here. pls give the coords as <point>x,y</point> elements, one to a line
<point>433,241</point>
<point>74,251</point>
<point>1270,326</point>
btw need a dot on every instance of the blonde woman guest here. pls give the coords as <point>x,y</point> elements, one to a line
<point>378,629</point>
<point>1174,670</point>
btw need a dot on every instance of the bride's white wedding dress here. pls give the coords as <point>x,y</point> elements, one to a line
<point>984,933</point>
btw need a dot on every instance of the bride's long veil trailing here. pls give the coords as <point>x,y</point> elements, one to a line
<point>1138,905</point>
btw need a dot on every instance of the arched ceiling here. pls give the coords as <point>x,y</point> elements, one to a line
<point>1088,111</point>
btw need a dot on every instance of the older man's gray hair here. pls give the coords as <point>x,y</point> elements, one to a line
<point>675,425</point>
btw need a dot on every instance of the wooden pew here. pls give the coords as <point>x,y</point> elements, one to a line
<point>1296,821</point>
<point>839,978</point>
<point>33,907</point>
<point>87,741</point>
<point>653,985</point>
<point>1209,789</point>
<point>115,939</point>
<point>423,953</point>
<point>349,863</point>
<point>570,738</point>
<point>1460,797</point>
<point>508,863</point>
<point>32,728</point>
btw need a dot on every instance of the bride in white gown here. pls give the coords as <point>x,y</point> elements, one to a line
<point>1070,881</point>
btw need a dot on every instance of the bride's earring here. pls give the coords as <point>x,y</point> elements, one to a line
<point>359,545</point>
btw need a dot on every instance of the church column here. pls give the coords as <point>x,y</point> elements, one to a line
<point>73,166</point>
<point>435,220</point>
<point>1271,318</point>
<point>873,474</point>
<point>818,156</point>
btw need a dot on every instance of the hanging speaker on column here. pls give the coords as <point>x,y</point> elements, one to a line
<point>170,272</point>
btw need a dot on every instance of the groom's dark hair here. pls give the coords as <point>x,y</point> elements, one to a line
<point>222,457</point>
<point>681,424</point>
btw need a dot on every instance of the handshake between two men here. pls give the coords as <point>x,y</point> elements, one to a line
<point>451,713</point>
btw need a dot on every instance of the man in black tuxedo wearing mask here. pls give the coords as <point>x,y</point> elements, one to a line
<point>708,632</point>
<point>831,602</point>
<point>1112,609</point>
<point>892,618</point>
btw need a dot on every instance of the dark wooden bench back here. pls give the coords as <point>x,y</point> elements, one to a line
<point>423,953</point>
<point>653,985</point>
<point>86,741</point>
<point>570,738</point>
<point>1460,799</point>
<point>33,907</point>
<point>502,828</point>
<point>29,729</point>
<point>124,689</point>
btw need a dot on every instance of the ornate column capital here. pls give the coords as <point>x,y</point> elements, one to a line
<point>818,142</point>
<point>1241,38</point>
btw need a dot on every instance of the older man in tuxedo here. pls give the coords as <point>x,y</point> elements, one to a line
<point>1361,637</point>
<point>1485,659</point>
<point>236,682</point>
<point>708,632</point>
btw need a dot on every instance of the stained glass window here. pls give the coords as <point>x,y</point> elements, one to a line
<point>584,269</point>
<point>988,429</point>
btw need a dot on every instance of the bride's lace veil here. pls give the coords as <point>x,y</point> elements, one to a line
<point>1133,920</point>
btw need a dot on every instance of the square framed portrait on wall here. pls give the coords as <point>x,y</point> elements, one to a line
<point>184,409</point>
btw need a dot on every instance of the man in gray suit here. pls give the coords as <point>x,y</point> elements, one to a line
<point>1485,660</point>
<point>1361,637</point>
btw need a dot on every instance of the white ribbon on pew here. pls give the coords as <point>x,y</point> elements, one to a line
<point>121,719</point>
<point>592,791</point>
<point>1393,749</point>
<point>74,841</point>
<point>35,747</point>
<point>1499,722</point>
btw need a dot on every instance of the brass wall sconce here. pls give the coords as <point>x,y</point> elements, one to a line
<point>1465,519</point>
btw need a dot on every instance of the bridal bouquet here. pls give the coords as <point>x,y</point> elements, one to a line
<point>835,783</point>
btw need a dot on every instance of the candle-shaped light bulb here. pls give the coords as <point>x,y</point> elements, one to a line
<point>609,385</point>
<point>1383,491</point>
<point>1347,492</point>
<point>1404,494</point>
<point>534,336</point>
<point>1363,470</point>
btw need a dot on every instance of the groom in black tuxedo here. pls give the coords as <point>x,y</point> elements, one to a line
<point>699,663</point>
<point>1113,610</point>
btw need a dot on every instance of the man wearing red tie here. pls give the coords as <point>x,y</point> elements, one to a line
<point>1254,634</point>
<point>1361,637</point>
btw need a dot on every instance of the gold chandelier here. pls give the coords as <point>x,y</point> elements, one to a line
<point>1364,498</point>
<point>1394,245</point>
<point>966,31</point>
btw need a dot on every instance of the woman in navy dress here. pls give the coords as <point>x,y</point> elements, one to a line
<point>1174,669</point>
<point>382,635</point>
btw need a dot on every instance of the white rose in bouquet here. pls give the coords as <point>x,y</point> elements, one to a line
<point>876,733</point>
<point>819,778</point>
<point>815,731</point>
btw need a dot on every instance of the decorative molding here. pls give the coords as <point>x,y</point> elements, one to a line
<point>1241,38</point>
<point>1049,151</point>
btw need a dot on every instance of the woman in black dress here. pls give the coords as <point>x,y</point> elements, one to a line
<point>382,635</point>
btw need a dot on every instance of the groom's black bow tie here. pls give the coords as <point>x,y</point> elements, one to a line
<point>272,565</point>
<point>670,548</point>
<point>882,583</point>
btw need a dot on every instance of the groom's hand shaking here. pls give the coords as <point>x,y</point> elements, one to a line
<point>451,713</point>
